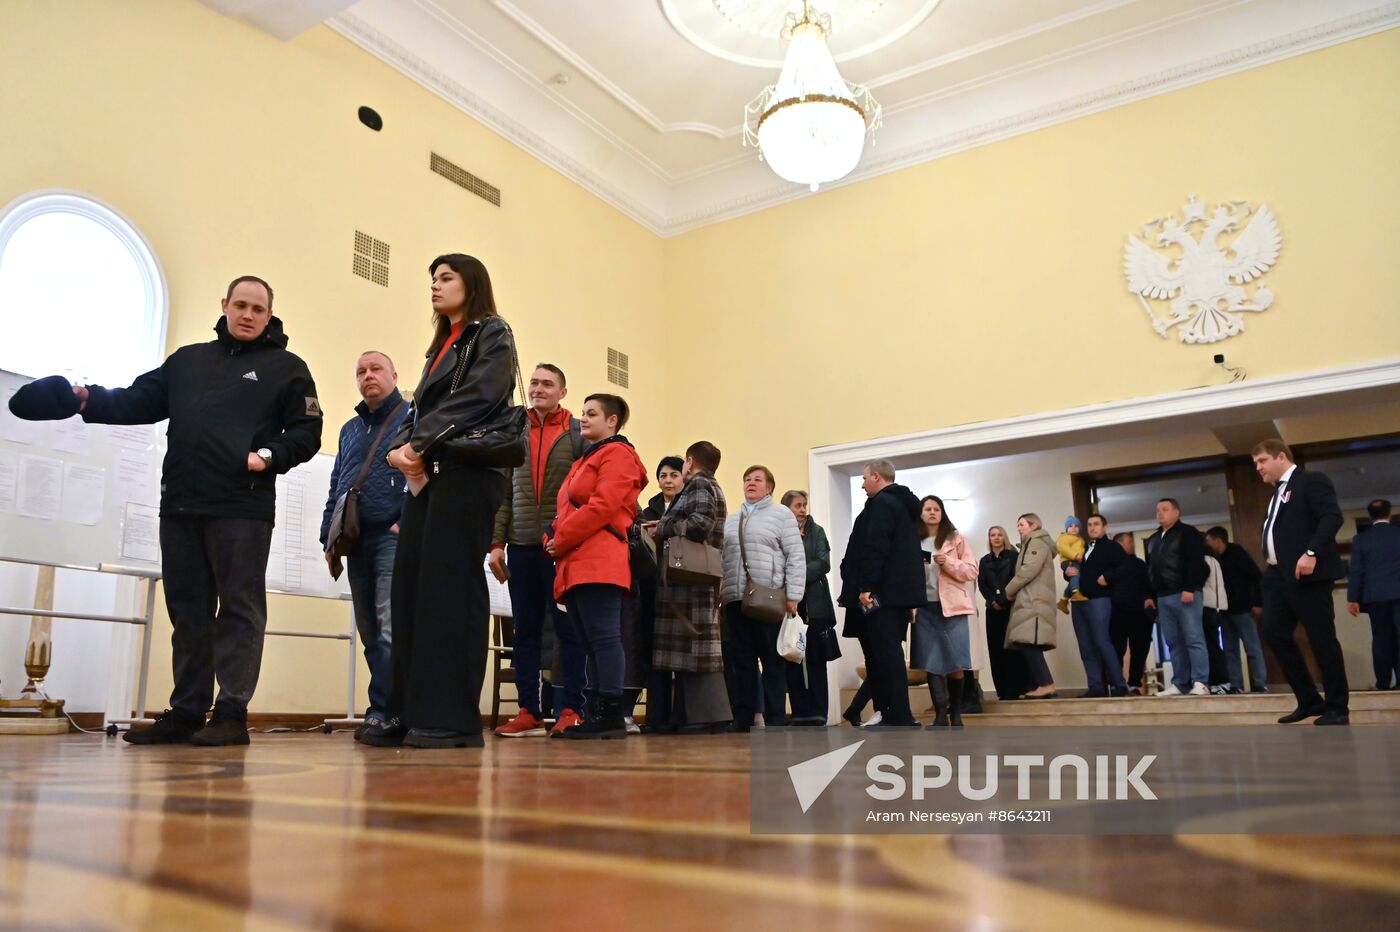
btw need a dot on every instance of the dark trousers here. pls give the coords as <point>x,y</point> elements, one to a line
<point>885,667</point>
<point>1385,642</point>
<point>532,604</point>
<point>215,578</point>
<point>1286,605</point>
<point>1130,629</point>
<point>751,644</point>
<point>1102,666</point>
<point>596,608</point>
<point>370,567</point>
<point>806,681</point>
<point>1008,666</point>
<point>1219,665</point>
<point>441,606</point>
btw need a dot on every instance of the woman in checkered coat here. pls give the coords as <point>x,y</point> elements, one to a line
<point>687,688</point>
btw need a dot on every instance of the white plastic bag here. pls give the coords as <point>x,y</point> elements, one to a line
<point>792,639</point>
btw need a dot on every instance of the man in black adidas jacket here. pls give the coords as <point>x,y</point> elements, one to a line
<point>242,409</point>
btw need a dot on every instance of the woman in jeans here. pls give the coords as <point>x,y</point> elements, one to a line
<point>593,573</point>
<point>440,604</point>
<point>941,640</point>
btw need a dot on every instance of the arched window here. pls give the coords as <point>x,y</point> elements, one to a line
<point>81,292</point>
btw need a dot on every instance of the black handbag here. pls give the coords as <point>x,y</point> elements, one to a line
<point>503,437</point>
<point>822,642</point>
<point>344,531</point>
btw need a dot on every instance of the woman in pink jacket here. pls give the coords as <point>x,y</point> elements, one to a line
<point>942,643</point>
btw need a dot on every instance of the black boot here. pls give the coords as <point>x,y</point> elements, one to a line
<point>955,692</point>
<point>171,727</point>
<point>607,722</point>
<point>938,688</point>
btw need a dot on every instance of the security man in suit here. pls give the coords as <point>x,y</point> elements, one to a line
<point>1302,561</point>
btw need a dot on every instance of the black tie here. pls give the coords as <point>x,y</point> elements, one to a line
<point>1269,523</point>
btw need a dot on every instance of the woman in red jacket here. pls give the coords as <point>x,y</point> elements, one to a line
<point>593,575</point>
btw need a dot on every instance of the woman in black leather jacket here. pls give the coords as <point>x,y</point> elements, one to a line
<point>993,573</point>
<point>441,609</point>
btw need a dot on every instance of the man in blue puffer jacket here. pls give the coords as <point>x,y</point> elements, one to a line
<point>371,563</point>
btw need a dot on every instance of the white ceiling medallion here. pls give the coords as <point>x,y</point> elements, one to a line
<point>811,126</point>
<point>1200,275</point>
<point>767,19</point>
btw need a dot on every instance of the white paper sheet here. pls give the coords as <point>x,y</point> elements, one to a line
<point>137,477</point>
<point>15,430</point>
<point>131,436</point>
<point>9,477</point>
<point>40,490</point>
<point>84,493</point>
<point>141,533</point>
<point>69,436</point>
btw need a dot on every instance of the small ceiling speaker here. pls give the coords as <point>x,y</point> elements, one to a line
<point>371,118</point>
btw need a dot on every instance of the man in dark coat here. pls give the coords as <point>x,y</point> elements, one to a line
<point>242,409</point>
<point>1131,625</point>
<point>882,579</point>
<point>1244,593</point>
<point>1373,587</point>
<point>1104,561</point>
<point>1301,563</point>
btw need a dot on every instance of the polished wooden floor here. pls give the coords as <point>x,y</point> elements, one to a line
<point>312,830</point>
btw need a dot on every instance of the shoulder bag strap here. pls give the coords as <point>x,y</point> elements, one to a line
<point>374,445</point>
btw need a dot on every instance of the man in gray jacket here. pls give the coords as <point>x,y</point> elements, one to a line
<point>761,545</point>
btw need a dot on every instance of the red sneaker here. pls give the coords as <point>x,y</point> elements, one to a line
<point>567,719</point>
<point>524,725</point>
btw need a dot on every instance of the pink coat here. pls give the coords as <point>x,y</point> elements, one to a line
<point>953,577</point>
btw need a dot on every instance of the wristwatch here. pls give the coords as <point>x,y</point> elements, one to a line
<point>266,455</point>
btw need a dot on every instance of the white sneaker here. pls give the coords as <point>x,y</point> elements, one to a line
<point>873,720</point>
<point>1171,690</point>
<point>632,727</point>
<point>1199,689</point>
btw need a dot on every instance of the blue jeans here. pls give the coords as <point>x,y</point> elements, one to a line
<point>596,608</point>
<point>1237,627</point>
<point>1184,629</point>
<point>532,600</point>
<point>371,569</point>
<point>1101,663</point>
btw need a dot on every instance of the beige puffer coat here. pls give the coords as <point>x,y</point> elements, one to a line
<point>1032,621</point>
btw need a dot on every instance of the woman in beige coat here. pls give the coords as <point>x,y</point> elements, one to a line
<point>1032,593</point>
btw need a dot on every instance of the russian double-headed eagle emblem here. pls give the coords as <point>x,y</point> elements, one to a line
<point>1205,276</point>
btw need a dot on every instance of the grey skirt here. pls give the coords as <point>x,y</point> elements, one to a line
<point>940,644</point>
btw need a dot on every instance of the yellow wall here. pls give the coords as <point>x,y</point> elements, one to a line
<point>983,285</point>
<point>234,153</point>
<point>988,284</point>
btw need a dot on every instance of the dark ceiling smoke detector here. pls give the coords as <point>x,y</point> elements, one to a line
<point>371,118</point>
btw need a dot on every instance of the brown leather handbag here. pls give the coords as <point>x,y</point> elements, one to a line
<point>690,563</point>
<point>761,603</point>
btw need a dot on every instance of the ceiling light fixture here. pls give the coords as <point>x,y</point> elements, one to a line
<point>811,126</point>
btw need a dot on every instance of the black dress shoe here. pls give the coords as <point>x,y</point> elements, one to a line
<point>170,727</point>
<point>443,738</point>
<point>1117,692</point>
<point>1333,718</point>
<point>222,731</point>
<point>1095,694</point>
<point>738,728</point>
<point>388,734</point>
<point>705,728</point>
<point>1300,713</point>
<point>852,716</point>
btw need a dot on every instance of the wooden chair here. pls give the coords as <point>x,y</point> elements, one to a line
<point>502,654</point>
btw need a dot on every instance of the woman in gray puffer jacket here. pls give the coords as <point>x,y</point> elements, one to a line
<point>1032,593</point>
<point>775,558</point>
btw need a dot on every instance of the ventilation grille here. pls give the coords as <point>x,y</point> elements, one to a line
<point>371,259</point>
<point>617,367</point>
<point>465,179</point>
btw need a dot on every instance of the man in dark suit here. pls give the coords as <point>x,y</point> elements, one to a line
<point>1302,562</point>
<point>1131,625</point>
<point>1104,561</point>
<point>882,579</point>
<point>1373,587</point>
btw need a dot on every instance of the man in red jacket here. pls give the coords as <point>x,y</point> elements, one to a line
<point>593,575</point>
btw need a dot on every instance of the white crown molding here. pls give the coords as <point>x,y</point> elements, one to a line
<point>1228,397</point>
<point>688,202</point>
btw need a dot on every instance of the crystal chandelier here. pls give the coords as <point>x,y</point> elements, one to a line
<point>811,126</point>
